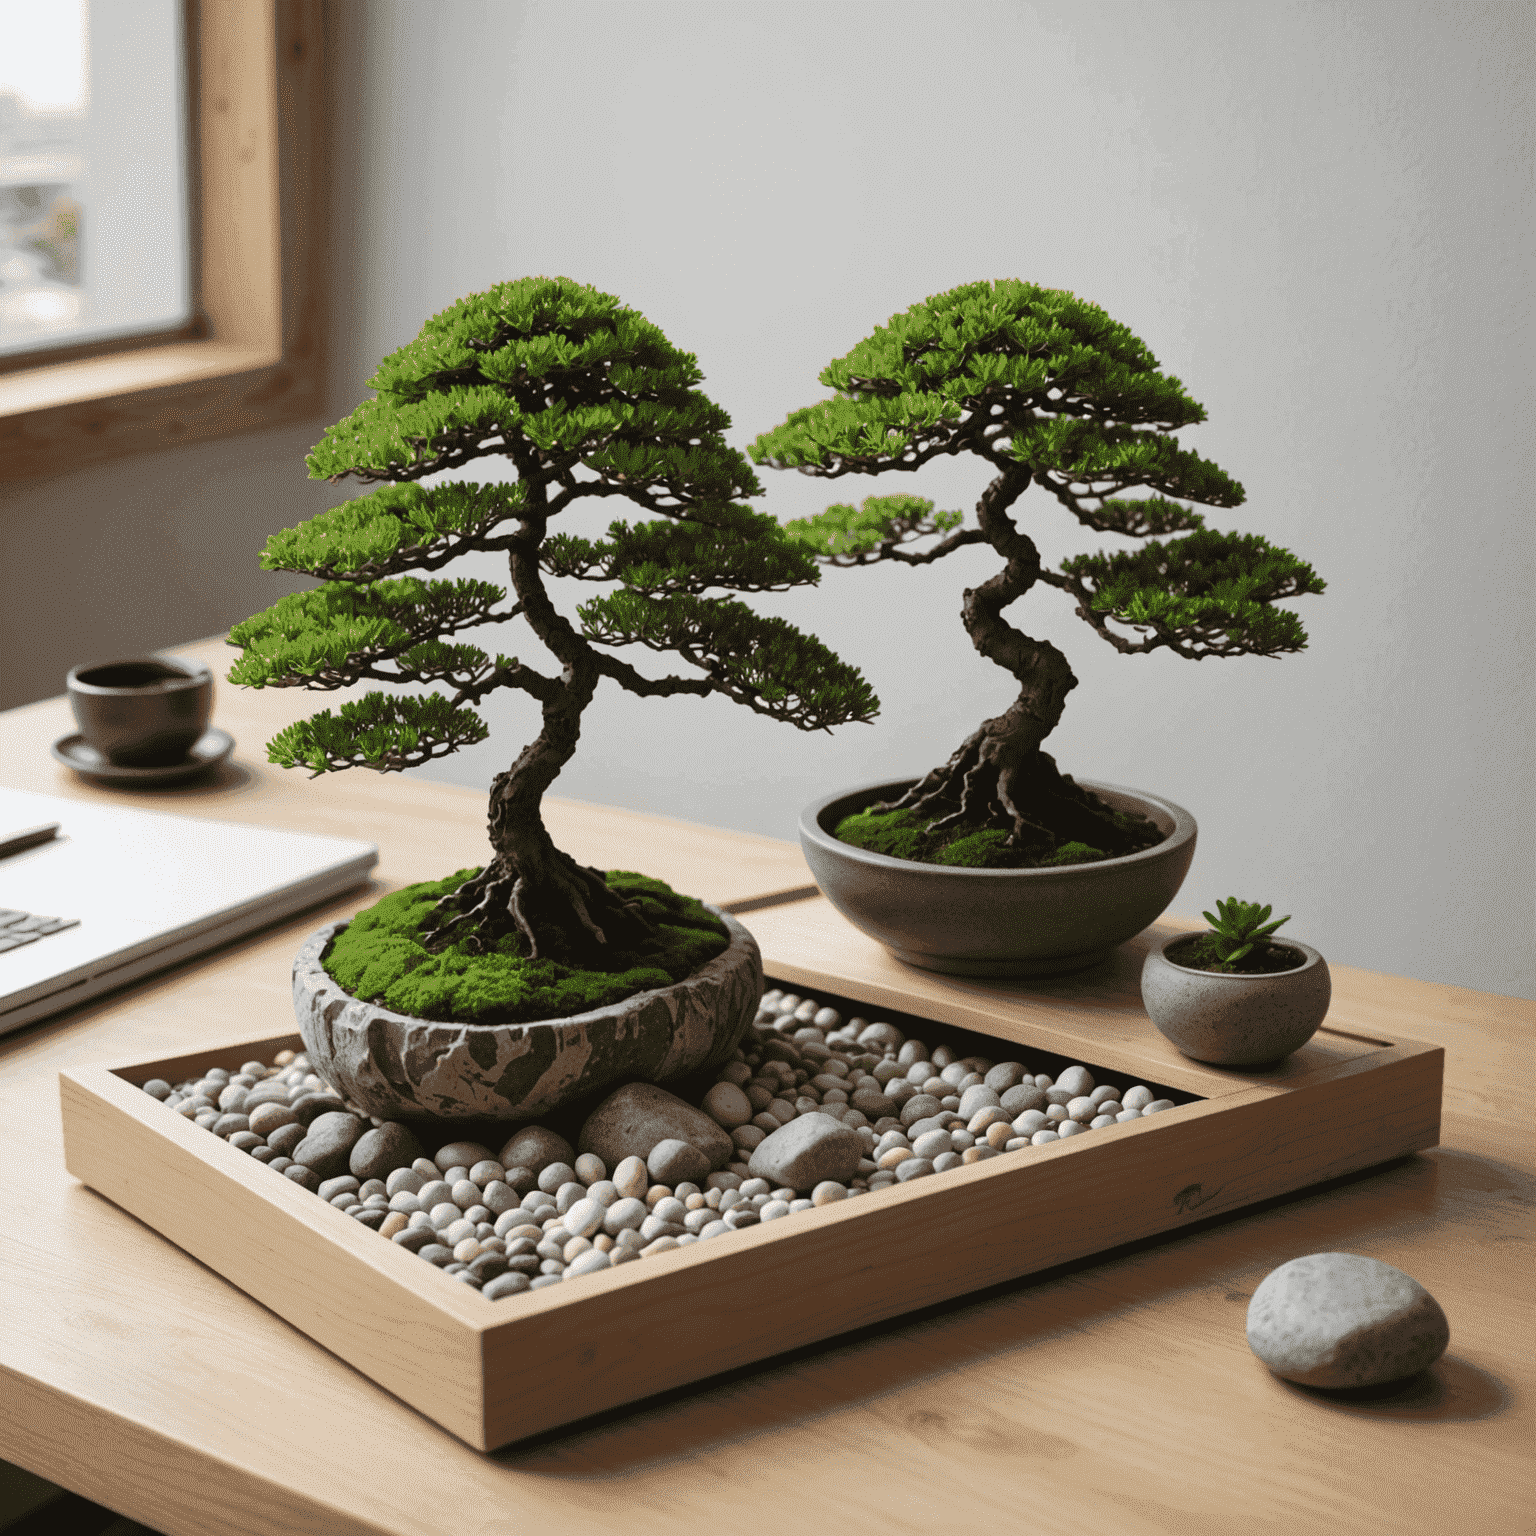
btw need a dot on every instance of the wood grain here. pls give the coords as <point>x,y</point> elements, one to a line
<point>670,1320</point>
<point>259,280</point>
<point>1115,1394</point>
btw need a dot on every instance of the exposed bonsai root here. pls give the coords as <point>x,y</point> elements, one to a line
<point>984,786</point>
<point>563,895</point>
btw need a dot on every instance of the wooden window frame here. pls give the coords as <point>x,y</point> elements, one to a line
<point>252,356</point>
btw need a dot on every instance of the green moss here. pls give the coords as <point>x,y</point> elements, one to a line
<point>1073,853</point>
<point>904,835</point>
<point>379,957</point>
<point>976,850</point>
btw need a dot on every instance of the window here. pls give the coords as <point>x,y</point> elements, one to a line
<point>93,172</point>
<point>213,331</point>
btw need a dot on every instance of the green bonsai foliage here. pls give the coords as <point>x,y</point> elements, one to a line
<point>585,398</point>
<point>1048,391</point>
<point>1240,927</point>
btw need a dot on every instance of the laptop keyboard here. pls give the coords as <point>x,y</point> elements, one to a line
<point>18,928</point>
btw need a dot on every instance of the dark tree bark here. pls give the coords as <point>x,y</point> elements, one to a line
<point>999,777</point>
<point>528,874</point>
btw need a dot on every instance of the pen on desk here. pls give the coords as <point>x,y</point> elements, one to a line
<point>26,837</point>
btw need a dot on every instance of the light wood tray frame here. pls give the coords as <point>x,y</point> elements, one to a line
<point>496,1372</point>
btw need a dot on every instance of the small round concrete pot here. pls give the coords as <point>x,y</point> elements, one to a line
<point>1236,1020</point>
<point>402,1068</point>
<point>998,922</point>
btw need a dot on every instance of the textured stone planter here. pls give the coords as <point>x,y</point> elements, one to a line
<point>403,1068</point>
<point>998,922</point>
<point>1236,1020</point>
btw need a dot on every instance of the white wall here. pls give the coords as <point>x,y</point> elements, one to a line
<point>1317,215</point>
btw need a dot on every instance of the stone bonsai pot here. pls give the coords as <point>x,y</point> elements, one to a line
<point>1236,1019</point>
<point>400,1068</point>
<point>998,922</point>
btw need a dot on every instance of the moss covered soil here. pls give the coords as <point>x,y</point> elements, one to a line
<point>380,958</point>
<point>903,834</point>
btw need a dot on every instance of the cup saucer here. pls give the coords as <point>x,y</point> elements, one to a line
<point>208,751</point>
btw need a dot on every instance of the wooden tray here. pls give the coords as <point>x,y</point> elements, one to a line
<point>495,1372</point>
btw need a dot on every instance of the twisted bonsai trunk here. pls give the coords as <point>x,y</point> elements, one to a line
<point>999,777</point>
<point>529,881</point>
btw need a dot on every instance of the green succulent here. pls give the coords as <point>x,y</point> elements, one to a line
<point>1238,927</point>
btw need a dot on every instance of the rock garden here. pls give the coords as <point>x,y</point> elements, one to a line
<point>811,1109</point>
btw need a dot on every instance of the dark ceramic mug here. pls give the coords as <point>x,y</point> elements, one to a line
<point>142,713</point>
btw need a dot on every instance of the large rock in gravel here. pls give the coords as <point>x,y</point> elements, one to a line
<point>535,1147</point>
<point>327,1149</point>
<point>400,1068</point>
<point>1341,1320</point>
<point>378,1152</point>
<point>633,1120</point>
<point>807,1151</point>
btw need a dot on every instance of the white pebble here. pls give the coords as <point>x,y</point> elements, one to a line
<point>1137,1098</point>
<point>1081,1109</point>
<point>631,1177</point>
<point>1103,1093</point>
<point>1043,1138</point>
<point>589,1168</point>
<point>1068,1128</point>
<point>628,1212</point>
<point>1157,1106</point>
<point>1030,1121</point>
<point>585,1217</point>
<point>1128,1114</point>
<point>1077,1080</point>
<point>773,1210</point>
<point>1100,1121</point>
<point>827,1018</point>
<point>587,1263</point>
<point>827,1192</point>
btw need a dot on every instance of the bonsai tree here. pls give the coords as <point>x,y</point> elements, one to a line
<point>1047,391</point>
<point>586,399</point>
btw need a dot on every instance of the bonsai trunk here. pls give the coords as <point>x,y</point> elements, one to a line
<point>529,883</point>
<point>999,777</point>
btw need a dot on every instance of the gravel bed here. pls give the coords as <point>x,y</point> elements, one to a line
<point>535,1214</point>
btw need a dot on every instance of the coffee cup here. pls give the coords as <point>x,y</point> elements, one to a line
<point>146,712</point>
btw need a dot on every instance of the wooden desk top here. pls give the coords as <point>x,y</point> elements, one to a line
<point>1113,1396</point>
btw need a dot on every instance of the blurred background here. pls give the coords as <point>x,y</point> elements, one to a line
<point>1317,216</point>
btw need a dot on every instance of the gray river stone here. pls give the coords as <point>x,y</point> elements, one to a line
<point>807,1152</point>
<point>1342,1320</point>
<point>397,1067</point>
<point>327,1148</point>
<point>631,1122</point>
<point>382,1149</point>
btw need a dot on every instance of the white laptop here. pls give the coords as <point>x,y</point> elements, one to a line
<point>117,893</point>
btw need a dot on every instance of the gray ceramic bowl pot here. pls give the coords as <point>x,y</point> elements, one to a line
<point>402,1068</point>
<point>1236,1020</point>
<point>998,922</point>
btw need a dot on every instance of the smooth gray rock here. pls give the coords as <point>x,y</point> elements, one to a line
<point>673,1162</point>
<point>402,1068</point>
<point>383,1149</point>
<point>806,1152</point>
<point>505,1285</point>
<point>327,1148</point>
<point>920,1107</point>
<point>534,1148</point>
<point>286,1137</point>
<point>976,1098</point>
<point>1342,1320</point>
<point>633,1119</point>
<point>308,1105</point>
<point>1023,1096</point>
